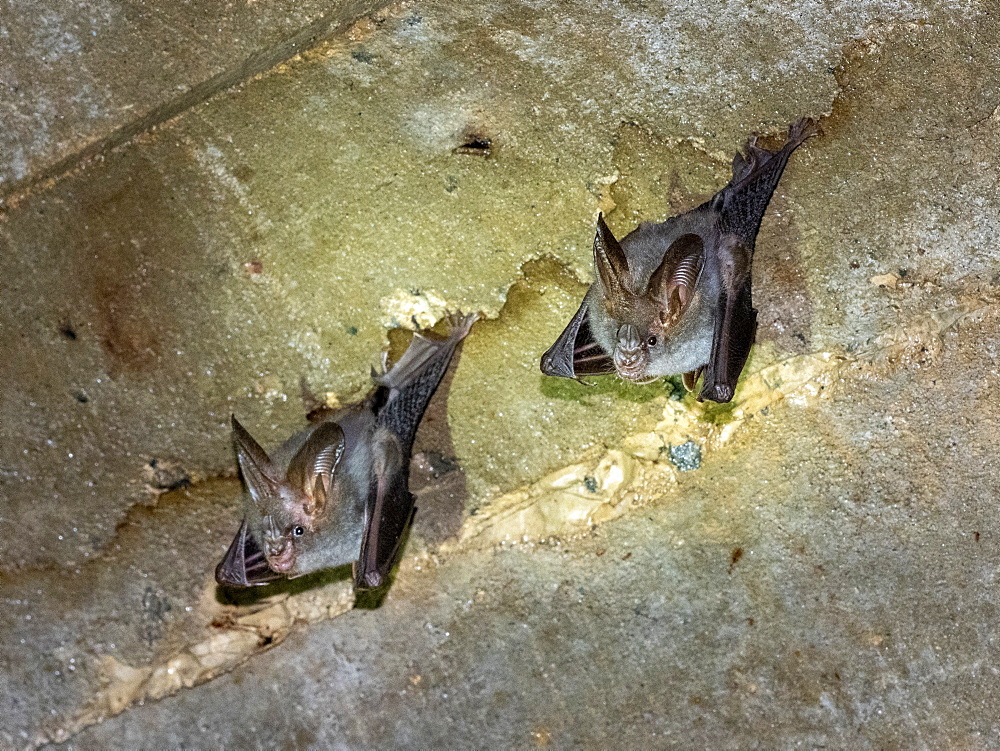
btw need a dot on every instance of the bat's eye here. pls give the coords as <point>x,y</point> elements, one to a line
<point>651,341</point>
<point>298,531</point>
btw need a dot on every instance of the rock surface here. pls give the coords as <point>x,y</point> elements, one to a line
<point>822,574</point>
<point>80,78</point>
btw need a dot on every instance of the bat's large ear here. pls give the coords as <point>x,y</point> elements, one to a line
<point>312,468</point>
<point>673,283</point>
<point>260,475</point>
<point>612,268</point>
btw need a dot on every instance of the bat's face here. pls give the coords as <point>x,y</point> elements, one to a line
<point>645,322</point>
<point>285,511</point>
<point>636,345</point>
<point>279,525</point>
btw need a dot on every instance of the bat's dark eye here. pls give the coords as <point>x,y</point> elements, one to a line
<point>298,531</point>
<point>651,341</point>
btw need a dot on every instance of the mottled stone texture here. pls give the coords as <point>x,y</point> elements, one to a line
<point>822,575</point>
<point>76,77</point>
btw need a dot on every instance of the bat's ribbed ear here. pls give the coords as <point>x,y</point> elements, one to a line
<point>311,469</point>
<point>259,474</point>
<point>672,284</point>
<point>612,269</point>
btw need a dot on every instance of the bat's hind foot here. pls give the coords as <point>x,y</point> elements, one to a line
<point>801,130</point>
<point>460,323</point>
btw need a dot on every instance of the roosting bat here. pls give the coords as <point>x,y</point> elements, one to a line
<point>337,492</point>
<point>675,297</point>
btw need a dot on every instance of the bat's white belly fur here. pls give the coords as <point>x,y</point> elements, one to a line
<point>682,356</point>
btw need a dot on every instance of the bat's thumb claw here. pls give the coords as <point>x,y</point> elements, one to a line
<point>371,580</point>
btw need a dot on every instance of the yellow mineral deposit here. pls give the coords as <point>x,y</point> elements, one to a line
<point>566,502</point>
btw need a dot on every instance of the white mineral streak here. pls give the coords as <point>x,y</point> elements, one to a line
<point>571,500</point>
<point>413,310</point>
<point>566,502</point>
<point>231,638</point>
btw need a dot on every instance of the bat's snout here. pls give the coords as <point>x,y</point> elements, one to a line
<point>629,343</point>
<point>630,356</point>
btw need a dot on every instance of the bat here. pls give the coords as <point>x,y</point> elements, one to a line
<point>337,492</point>
<point>675,297</point>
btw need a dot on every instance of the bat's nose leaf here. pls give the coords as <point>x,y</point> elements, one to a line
<point>244,564</point>
<point>629,339</point>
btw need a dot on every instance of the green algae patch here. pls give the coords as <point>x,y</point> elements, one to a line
<point>585,390</point>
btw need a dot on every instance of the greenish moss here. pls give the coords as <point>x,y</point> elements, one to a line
<point>582,391</point>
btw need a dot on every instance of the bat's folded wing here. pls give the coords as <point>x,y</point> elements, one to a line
<point>735,328</point>
<point>389,512</point>
<point>575,352</point>
<point>244,564</point>
<point>408,387</point>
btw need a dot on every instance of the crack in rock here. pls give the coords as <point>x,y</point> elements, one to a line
<point>565,503</point>
<point>237,637</point>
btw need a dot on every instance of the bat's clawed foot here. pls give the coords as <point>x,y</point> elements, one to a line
<point>801,130</point>
<point>460,323</point>
<point>457,324</point>
<point>383,367</point>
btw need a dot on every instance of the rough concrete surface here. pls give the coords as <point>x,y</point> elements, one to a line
<point>77,77</point>
<point>595,566</point>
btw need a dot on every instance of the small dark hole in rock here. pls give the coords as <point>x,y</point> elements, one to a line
<point>167,476</point>
<point>81,397</point>
<point>319,413</point>
<point>361,55</point>
<point>68,331</point>
<point>735,558</point>
<point>476,147</point>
